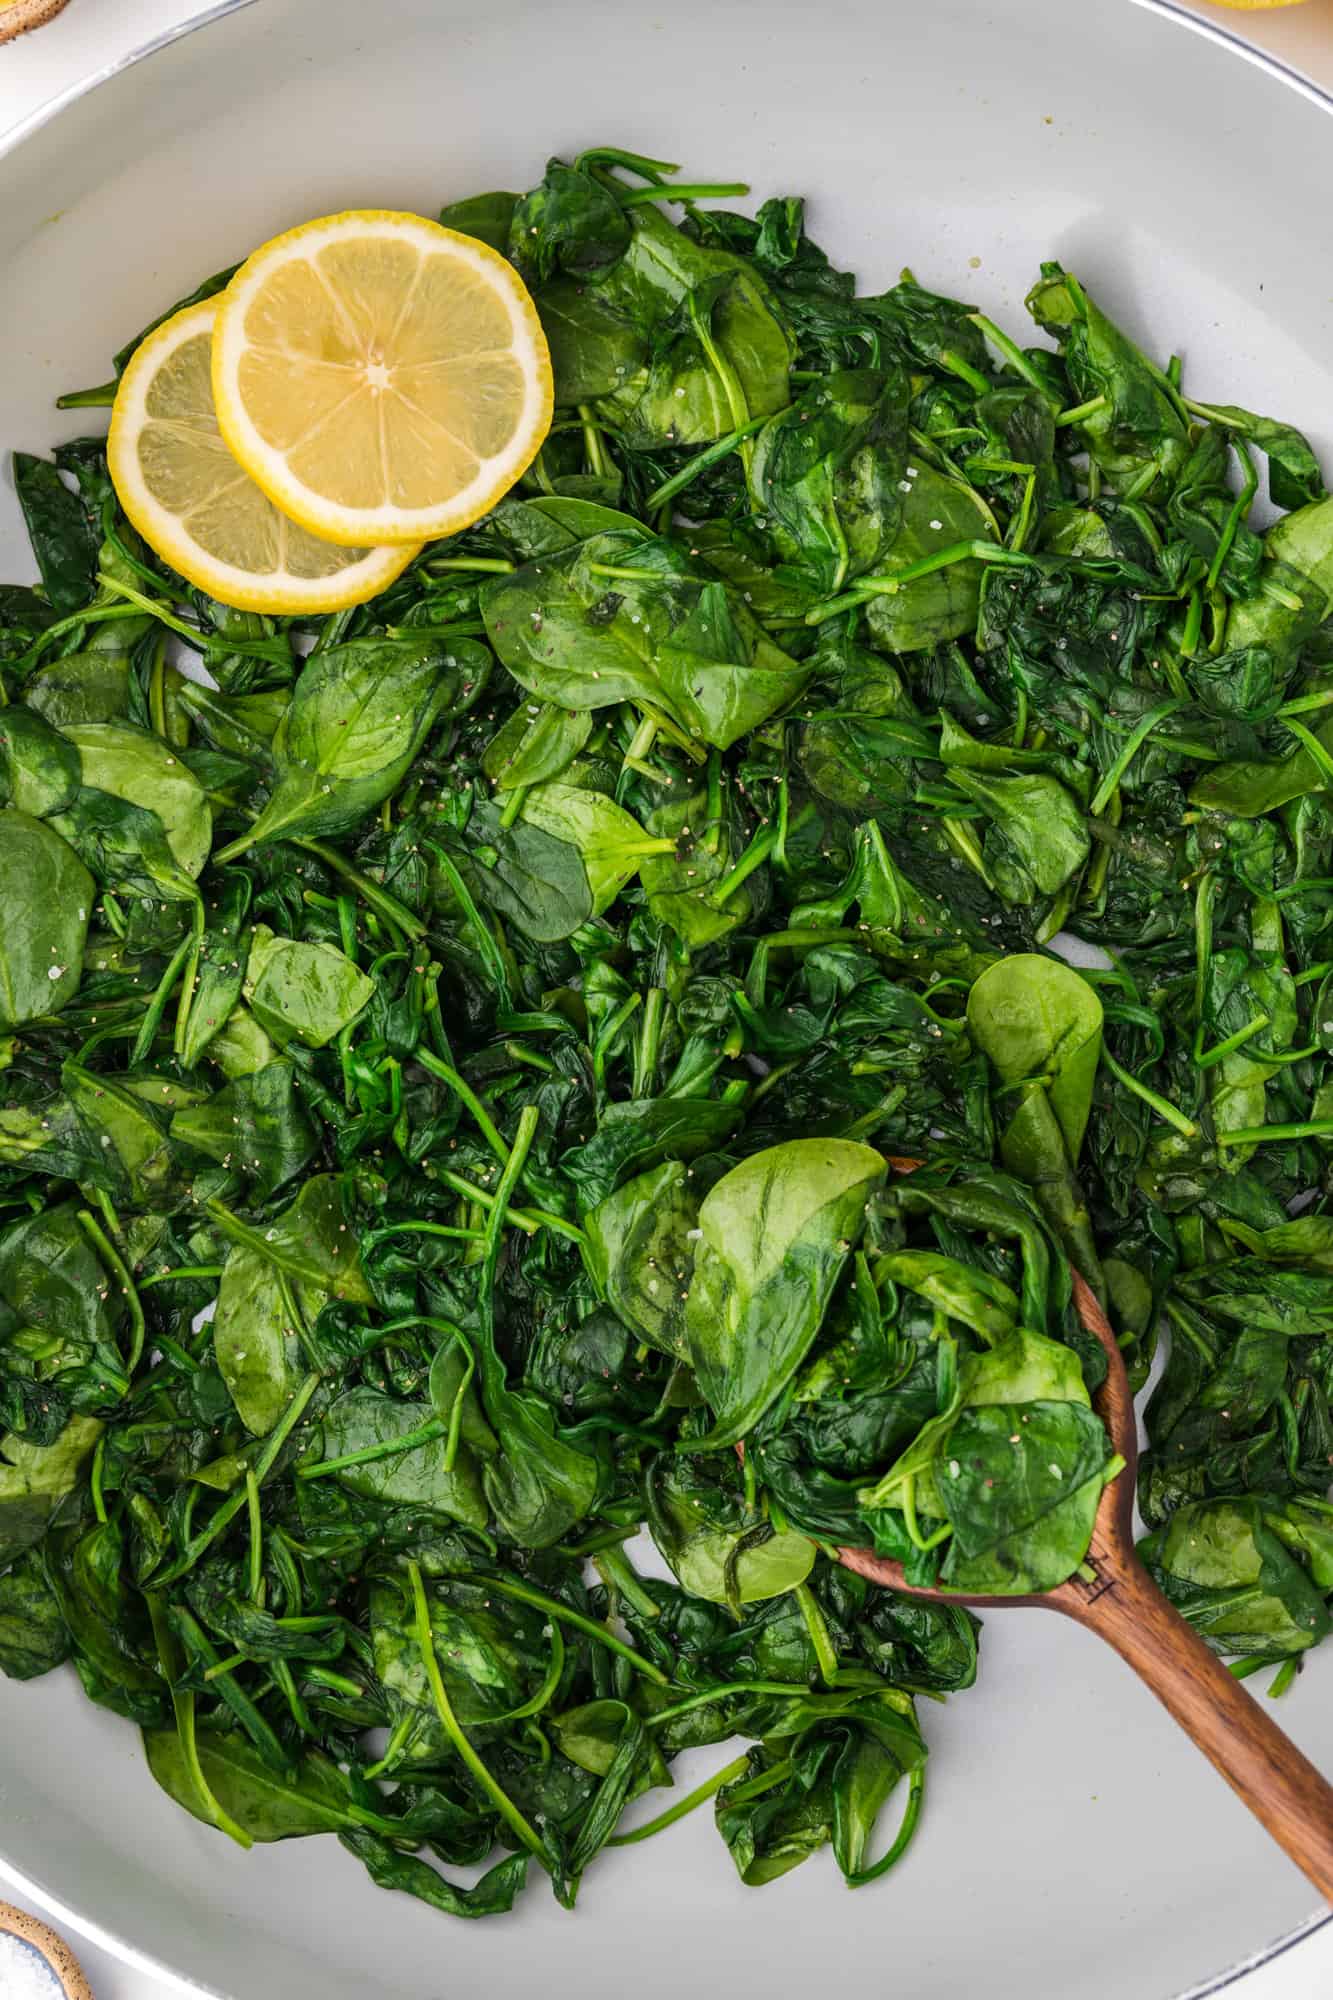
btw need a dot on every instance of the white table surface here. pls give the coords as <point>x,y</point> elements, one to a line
<point>92,35</point>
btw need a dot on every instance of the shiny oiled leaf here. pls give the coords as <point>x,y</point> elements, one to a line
<point>46,899</point>
<point>357,716</point>
<point>775,1234</point>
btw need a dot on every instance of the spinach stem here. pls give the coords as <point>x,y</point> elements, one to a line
<point>483,565</point>
<point>100,398</point>
<point>1260,1135</point>
<point>701,319</point>
<point>1017,359</point>
<point>109,1254</point>
<point>867,587</point>
<point>1205,1058</point>
<point>157,1006</point>
<point>530,1220</point>
<point>378,898</point>
<point>495,1792</point>
<point>1161,1105</point>
<point>908,1504</point>
<point>598,463</point>
<point>916,1791</point>
<point>1139,735</point>
<point>1314,748</point>
<point>198,928</point>
<point>618,1573</point>
<point>513,805</point>
<point>606,1036</point>
<point>671,488</point>
<point>256,1520</point>
<point>683,191</point>
<point>762,1781</point>
<point>462,1089</point>
<point>965,372</point>
<point>226,1513</point>
<point>1204,897</point>
<point>1080,412</point>
<point>701,1793</point>
<point>180,1271</point>
<point>705,1697</point>
<point>826,1653</point>
<point>555,1607</point>
<point>426,1433</point>
<point>756,853</point>
<point>153,607</point>
<point>1239,510</point>
<point>647,1044</point>
<point>1304,703</point>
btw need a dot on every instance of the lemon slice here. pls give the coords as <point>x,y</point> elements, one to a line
<point>199,509</point>
<point>383,379</point>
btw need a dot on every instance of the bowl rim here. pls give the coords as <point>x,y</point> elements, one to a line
<point>45,113</point>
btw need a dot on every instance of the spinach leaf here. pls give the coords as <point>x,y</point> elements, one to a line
<point>1035,1017</point>
<point>640,1253</point>
<point>933,605</point>
<point>571,221</point>
<point>46,897</point>
<point>412,1474</point>
<point>609,841</point>
<point>136,766</point>
<point>534,877</point>
<point>485,216</point>
<point>715,1552</point>
<point>63,539</point>
<point>266,1804</point>
<point>299,991</point>
<point>827,471</point>
<point>309,1240</point>
<point>1039,1024</point>
<point>255,1124</point>
<point>775,1233</point>
<point>33,1638</point>
<point>621,619</point>
<point>39,769</point>
<point>34,1479</point>
<point>1136,416</point>
<point>256,1347</point>
<point>1021,1513</point>
<point>356,719</point>
<point>539,741</point>
<point>1225,1569</point>
<point>719,354</point>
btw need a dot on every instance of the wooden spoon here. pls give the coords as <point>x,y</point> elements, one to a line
<point>1123,1605</point>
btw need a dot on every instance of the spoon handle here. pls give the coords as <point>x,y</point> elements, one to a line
<point>1264,1768</point>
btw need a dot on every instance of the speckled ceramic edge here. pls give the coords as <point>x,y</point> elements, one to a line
<point>30,14</point>
<point>17,1923</point>
<point>1213,31</point>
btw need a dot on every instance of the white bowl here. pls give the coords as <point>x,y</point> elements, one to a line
<point>1074,1846</point>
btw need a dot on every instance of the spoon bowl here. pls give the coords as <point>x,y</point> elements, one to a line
<point>1120,1603</point>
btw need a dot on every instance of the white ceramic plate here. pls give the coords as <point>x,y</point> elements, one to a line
<point>1074,1847</point>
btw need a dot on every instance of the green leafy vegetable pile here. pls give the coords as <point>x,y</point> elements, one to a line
<point>523,1006</point>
